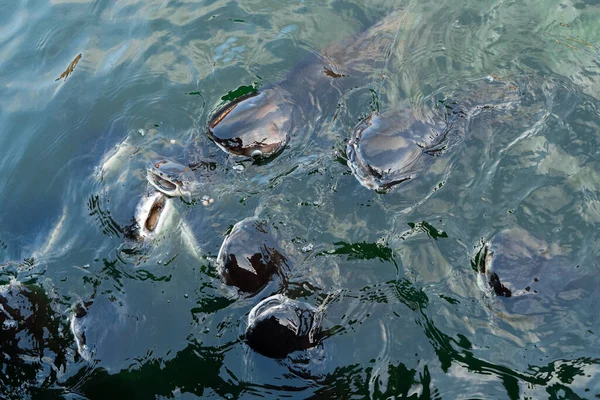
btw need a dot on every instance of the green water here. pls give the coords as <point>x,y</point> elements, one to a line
<point>393,271</point>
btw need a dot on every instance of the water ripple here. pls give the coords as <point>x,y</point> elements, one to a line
<point>393,268</point>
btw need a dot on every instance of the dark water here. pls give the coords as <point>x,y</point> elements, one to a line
<point>394,272</point>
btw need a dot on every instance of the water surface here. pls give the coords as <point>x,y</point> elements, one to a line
<point>393,271</point>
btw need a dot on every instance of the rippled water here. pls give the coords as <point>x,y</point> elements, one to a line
<point>394,272</point>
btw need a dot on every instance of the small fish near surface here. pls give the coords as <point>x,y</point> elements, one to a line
<point>70,68</point>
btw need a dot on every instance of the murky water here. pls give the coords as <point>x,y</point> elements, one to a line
<point>394,273</point>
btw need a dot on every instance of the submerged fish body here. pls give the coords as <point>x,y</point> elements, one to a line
<point>94,325</point>
<point>395,147</point>
<point>386,150</point>
<point>488,279</point>
<point>78,331</point>
<point>250,256</point>
<point>525,271</point>
<point>115,178</point>
<point>30,336</point>
<point>115,161</point>
<point>261,124</point>
<point>278,326</point>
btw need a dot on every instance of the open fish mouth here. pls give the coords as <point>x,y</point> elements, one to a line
<point>150,216</point>
<point>170,178</point>
<point>154,214</point>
